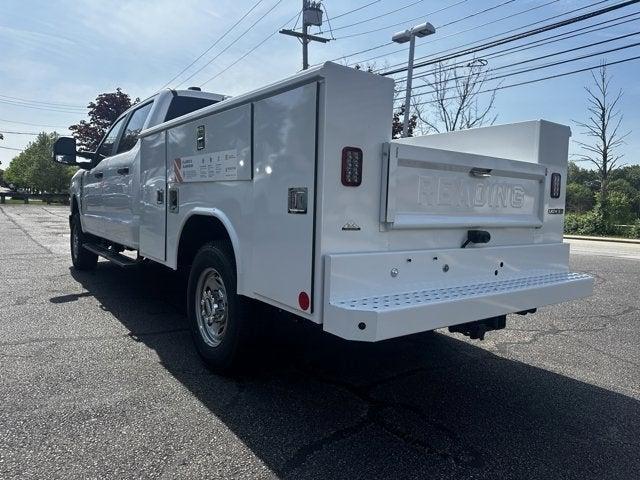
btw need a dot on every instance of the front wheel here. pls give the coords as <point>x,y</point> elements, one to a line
<point>81,258</point>
<point>218,316</point>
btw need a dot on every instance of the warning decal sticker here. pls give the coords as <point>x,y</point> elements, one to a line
<point>215,166</point>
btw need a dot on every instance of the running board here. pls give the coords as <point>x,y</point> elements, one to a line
<point>114,257</point>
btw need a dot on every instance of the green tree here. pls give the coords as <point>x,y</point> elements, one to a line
<point>629,173</point>
<point>34,170</point>
<point>620,207</point>
<point>623,186</point>
<point>582,176</point>
<point>580,198</point>
<point>102,113</point>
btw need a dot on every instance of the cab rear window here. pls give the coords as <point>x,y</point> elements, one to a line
<point>182,105</point>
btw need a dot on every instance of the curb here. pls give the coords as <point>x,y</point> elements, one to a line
<point>604,239</point>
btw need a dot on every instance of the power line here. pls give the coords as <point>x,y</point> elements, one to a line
<point>549,55</point>
<point>39,102</point>
<point>8,132</point>
<point>231,44</point>
<point>370,19</point>
<point>376,47</point>
<point>547,65</point>
<point>541,42</point>
<point>486,24</point>
<point>358,34</point>
<point>519,36</point>
<point>37,107</point>
<point>258,45</point>
<point>356,9</point>
<point>31,124</point>
<point>527,82</point>
<point>469,43</point>
<point>11,148</point>
<point>255,5</point>
<point>475,14</point>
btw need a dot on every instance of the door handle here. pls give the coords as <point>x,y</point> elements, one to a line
<point>98,174</point>
<point>480,172</point>
<point>160,196</point>
<point>123,171</point>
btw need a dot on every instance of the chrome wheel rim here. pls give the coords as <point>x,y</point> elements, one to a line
<point>75,242</point>
<point>211,307</point>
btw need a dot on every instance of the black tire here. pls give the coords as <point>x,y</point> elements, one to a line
<point>81,258</point>
<point>222,352</point>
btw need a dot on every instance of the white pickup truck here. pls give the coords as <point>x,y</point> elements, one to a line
<point>295,195</point>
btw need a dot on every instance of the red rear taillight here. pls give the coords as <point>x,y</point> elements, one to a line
<point>304,301</point>
<point>351,166</point>
<point>556,180</point>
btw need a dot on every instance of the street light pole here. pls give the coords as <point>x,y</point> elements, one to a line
<point>410,35</point>
<point>407,98</point>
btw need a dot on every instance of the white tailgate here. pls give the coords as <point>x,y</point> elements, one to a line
<point>433,188</point>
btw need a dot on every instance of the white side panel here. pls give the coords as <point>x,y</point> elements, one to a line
<point>227,200</point>
<point>153,183</point>
<point>284,158</point>
<point>225,153</point>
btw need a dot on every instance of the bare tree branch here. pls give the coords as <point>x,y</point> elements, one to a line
<point>464,109</point>
<point>603,127</point>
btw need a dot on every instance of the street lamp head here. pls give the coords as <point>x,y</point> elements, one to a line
<point>402,37</point>
<point>421,30</point>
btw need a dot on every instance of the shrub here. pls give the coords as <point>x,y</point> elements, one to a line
<point>634,231</point>
<point>590,223</point>
<point>580,198</point>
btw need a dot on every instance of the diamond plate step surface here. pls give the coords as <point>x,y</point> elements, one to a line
<point>449,294</point>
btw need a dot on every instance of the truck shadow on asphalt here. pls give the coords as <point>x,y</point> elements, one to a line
<point>422,406</point>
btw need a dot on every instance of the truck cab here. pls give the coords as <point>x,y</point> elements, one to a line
<point>106,191</point>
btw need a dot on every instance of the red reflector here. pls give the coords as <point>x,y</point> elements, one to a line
<point>351,166</point>
<point>555,185</point>
<point>303,300</point>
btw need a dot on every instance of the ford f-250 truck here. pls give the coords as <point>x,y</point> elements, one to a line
<point>296,195</point>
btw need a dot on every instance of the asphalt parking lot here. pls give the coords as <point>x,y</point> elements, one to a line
<point>98,379</point>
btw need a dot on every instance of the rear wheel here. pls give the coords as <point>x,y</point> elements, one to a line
<point>218,316</point>
<point>81,258</point>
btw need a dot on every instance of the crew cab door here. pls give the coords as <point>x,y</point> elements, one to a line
<point>93,211</point>
<point>121,181</point>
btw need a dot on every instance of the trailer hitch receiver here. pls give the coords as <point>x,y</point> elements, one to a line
<point>476,330</point>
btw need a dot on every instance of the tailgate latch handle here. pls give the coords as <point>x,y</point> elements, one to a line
<point>476,236</point>
<point>480,172</point>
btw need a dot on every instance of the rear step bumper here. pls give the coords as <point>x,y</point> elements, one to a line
<point>405,311</point>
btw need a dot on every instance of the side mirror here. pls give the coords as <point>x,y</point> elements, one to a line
<point>64,151</point>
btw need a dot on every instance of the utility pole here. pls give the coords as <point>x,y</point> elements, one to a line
<point>311,15</point>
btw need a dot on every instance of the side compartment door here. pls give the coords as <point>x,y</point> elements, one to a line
<point>153,196</point>
<point>284,192</point>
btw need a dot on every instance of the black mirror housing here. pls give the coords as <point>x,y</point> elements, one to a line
<point>64,151</point>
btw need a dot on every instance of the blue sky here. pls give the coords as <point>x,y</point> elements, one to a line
<point>68,51</point>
